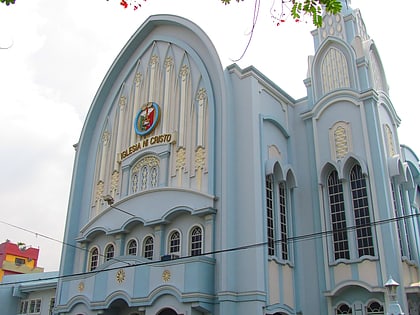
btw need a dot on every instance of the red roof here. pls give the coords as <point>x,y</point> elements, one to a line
<point>9,248</point>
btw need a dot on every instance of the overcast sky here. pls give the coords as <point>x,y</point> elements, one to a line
<point>61,50</point>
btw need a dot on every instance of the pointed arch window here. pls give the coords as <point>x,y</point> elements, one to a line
<point>148,247</point>
<point>361,212</point>
<point>334,71</point>
<point>196,240</point>
<point>404,223</point>
<point>349,215</point>
<point>94,259</point>
<point>283,221</point>
<point>338,217</point>
<point>278,211</point>
<point>270,214</point>
<point>396,213</point>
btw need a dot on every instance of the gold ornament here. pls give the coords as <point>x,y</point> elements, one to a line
<point>120,276</point>
<point>166,275</point>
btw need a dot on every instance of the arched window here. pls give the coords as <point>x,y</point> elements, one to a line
<point>167,311</point>
<point>276,194</point>
<point>374,308</point>
<point>405,205</point>
<point>196,241</point>
<point>94,259</point>
<point>334,71</point>
<point>283,221</point>
<point>270,214</point>
<point>361,212</point>
<point>109,252</point>
<point>174,243</point>
<point>132,248</point>
<point>338,217</point>
<point>145,174</point>
<point>148,247</point>
<point>343,309</point>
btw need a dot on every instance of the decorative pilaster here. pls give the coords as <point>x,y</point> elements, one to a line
<point>122,105</point>
<point>136,106</point>
<point>105,145</point>
<point>115,183</point>
<point>180,164</point>
<point>169,63</point>
<point>200,163</point>
<point>202,100</point>
<point>184,73</point>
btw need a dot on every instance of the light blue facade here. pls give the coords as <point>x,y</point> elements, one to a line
<point>241,200</point>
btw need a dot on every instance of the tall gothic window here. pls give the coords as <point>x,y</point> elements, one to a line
<point>394,200</point>
<point>338,217</point>
<point>361,212</point>
<point>351,227</point>
<point>277,218</point>
<point>405,229</point>
<point>283,221</point>
<point>270,214</point>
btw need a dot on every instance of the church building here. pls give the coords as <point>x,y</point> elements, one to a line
<point>199,190</point>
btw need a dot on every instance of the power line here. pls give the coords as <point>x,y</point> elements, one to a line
<point>237,248</point>
<point>51,238</point>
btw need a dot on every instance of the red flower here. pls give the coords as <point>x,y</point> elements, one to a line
<point>124,4</point>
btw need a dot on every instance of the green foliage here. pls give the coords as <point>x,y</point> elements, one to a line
<point>228,1</point>
<point>313,8</point>
<point>7,2</point>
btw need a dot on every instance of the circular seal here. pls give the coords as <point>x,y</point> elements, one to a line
<point>147,118</point>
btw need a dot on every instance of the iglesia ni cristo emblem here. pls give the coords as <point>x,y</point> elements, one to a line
<point>147,118</point>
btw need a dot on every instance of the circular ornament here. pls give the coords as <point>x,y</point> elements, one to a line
<point>147,118</point>
<point>166,275</point>
<point>120,276</point>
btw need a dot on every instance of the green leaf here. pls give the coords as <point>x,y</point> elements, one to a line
<point>7,2</point>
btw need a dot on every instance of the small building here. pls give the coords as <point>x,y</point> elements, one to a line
<point>28,293</point>
<point>18,259</point>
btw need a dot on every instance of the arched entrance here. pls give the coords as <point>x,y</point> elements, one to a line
<point>167,311</point>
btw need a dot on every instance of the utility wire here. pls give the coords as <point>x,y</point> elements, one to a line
<point>238,248</point>
<point>51,238</point>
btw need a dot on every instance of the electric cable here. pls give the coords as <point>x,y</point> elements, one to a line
<point>237,248</point>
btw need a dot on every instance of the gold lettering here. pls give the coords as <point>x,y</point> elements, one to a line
<point>165,138</point>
